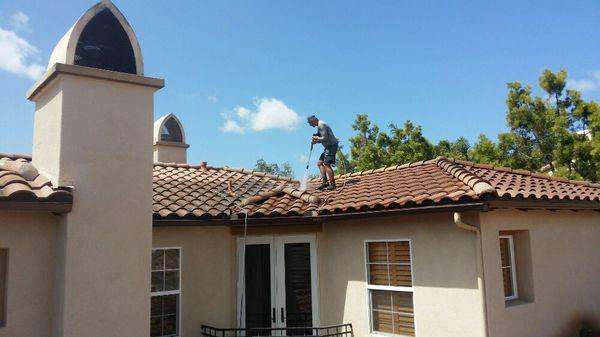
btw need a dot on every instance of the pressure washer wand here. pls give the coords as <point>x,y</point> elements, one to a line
<point>304,181</point>
<point>309,154</point>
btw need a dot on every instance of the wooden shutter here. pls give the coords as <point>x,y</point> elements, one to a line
<point>389,263</point>
<point>392,312</point>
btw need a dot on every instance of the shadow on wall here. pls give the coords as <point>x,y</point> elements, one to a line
<point>581,325</point>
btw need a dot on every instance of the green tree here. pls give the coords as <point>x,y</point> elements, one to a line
<point>366,147</point>
<point>284,170</point>
<point>459,149</point>
<point>486,151</point>
<point>343,162</point>
<point>550,133</point>
<point>406,144</point>
<point>371,148</point>
<point>557,132</point>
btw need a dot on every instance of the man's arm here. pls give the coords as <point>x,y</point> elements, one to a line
<point>325,135</point>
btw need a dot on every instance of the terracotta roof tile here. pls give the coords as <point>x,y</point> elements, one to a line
<point>213,192</point>
<point>20,181</point>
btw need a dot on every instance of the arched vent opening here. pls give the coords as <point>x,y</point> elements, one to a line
<point>104,44</point>
<point>171,131</point>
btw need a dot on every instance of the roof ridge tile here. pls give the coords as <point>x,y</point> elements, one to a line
<point>15,156</point>
<point>226,168</point>
<point>479,185</point>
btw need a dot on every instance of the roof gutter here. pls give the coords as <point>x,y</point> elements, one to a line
<point>57,207</point>
<point>314,217</point>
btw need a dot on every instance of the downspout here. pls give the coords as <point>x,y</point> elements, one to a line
<point>460,224</point>
<point>481,282</point>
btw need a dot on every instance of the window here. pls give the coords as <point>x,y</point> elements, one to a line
<point>171,131</point>
<point>166,292</point>
<point>3,272</point>
<point>507,262</point>
<point>390,287</point>
<point>104,44</point>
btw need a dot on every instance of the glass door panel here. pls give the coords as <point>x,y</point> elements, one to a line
<point>298,287</point>
<point>258,286</point>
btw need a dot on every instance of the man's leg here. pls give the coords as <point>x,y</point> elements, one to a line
<point>328,160</point>
<point>322,169</point>
<point>330,174</point>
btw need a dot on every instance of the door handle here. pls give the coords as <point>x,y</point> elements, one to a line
<point>273,318</point>
<point>282,316</point>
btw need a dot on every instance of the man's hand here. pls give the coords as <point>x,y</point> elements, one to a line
<point>314,140</point>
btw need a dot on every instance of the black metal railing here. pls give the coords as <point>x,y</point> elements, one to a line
<point>341,330</point>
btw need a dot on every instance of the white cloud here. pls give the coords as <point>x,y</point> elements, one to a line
<point>232,126</point>
<point>213,98</point>
<point>592,83</point>
<point>19,21</point>
<point>269,113</point>
<point>242,112</point>
<point>16,54</point>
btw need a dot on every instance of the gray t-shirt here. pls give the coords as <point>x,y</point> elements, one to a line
<point>326,136</point>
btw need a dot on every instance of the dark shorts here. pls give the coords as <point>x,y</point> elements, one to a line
<point>328,156</point>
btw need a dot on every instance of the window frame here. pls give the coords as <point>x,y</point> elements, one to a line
<point>171,292</point>
<point>513,266</point>
<point>404,289</point>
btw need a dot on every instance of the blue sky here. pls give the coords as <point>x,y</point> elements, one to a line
<point>262,66</point>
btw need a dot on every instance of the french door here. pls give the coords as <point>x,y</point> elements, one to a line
<point>277,282</point>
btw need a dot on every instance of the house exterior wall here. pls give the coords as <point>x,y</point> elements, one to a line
<point>565,271</point>
<point>448,298</point>
<point>93,130</point>
<point>208,275</point>
<point>32,240</point>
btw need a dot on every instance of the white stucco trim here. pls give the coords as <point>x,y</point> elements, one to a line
<point>513,266</point>
<point>158,125</point>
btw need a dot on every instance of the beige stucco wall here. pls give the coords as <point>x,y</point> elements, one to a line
<point>565,260</point>
<point>167,152</point>
<point>32,242</point>
<point>93,130</point>
<point>447,298</point>
<point>208,275</point>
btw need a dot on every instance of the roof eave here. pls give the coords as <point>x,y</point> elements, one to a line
<point>59,207</point>
<point>299,219</point>
<point>549,204</point>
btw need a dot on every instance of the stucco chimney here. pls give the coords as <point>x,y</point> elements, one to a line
<point>92,130</point>
<point>169,140</point>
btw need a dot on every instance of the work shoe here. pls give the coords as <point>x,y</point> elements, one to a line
<point>323,186</point>
<point>330,187</point>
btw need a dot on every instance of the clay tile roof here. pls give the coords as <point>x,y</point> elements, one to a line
<point>20,181</point>
<point>210,191</point>
<point>213,192</point>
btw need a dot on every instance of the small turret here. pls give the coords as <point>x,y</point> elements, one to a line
<point>169,140</point>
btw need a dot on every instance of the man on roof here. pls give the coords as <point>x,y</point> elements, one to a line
<point>325,136</point>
